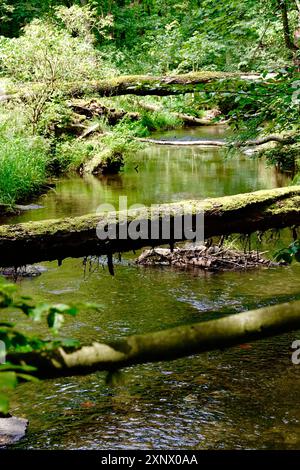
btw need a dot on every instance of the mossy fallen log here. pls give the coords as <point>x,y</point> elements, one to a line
<point>143,85</point>
<point>32,242</point>
<point>167,344</point>
<point>140,85</point>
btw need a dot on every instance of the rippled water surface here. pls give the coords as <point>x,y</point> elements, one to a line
<point>244,397</point>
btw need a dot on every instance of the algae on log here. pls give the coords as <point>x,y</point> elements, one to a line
<point>142,85</point>
<point>31,242</point>
<point>167,344</point>
<point>105,161</point>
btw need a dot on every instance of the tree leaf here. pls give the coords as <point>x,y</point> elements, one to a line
<point>4,404</point>
<point>8,380</point>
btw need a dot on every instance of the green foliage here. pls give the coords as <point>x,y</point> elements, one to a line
<point>262,108</point>
<point>292,252</point>
<point>70,154</point>
<point>120,142</point>
<point>17,341</point>
<point>157,35</point>
<point>58,43</point>
<point>149,122</point>
<point>51,56</point>
<point>160,120</point>
<point>54,119</point>
<point>84,22</point>
<point>45,53</point>
<point>23,162</point>
<point>283,157</point>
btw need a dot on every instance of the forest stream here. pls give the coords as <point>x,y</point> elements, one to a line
<point>244,397</point>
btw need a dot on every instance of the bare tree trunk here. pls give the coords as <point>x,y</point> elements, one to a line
<point>286,26</point>
<point>221,143</point>
<point>186,143</point>
<point>166,344</point>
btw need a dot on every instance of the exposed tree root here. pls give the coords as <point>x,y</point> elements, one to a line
<point>92,108</point>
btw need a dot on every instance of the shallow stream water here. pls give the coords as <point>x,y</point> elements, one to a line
<point>243,397</point>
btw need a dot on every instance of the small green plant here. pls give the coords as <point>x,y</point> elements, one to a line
<point>160,120</point>
<point>290,253</point>
<point>70,154</point>
<point>17,341</point>
<point>283,157</point>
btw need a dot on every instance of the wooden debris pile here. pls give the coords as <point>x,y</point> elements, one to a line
<point>212,258</point>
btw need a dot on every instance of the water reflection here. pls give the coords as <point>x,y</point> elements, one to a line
<point>159,175</point>
<point>243,397</point>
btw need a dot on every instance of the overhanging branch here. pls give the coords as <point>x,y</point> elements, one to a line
<point>166,344</point>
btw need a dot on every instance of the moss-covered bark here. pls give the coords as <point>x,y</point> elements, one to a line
<point>31,242</point>
<point>140,85</point>
<point>167,344</point>
<point>143,85</point>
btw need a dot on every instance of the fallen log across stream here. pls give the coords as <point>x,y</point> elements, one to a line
<point>31,242</point>
<point>222,143</point>
<point>186,143</point>
<point>167,344</point>
<point>143,85</point>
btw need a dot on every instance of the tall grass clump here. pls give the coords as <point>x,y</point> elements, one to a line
<point>160,120</point>
<point>23,165</point>
<point>149,122</point>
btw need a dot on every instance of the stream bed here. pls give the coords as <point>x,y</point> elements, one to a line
<point>246,397</point>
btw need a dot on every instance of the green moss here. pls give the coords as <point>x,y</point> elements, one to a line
<point>172,83</point>
<point>285,200</point>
